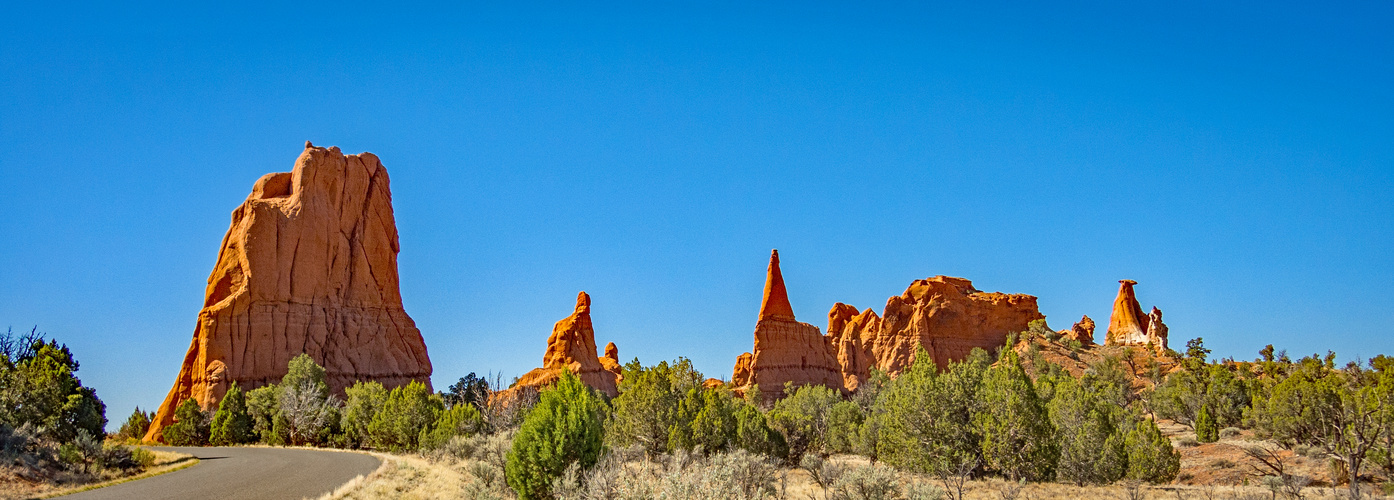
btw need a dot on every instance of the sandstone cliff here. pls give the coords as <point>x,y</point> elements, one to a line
<point>309,264</point>
<point>1082,331</point>
<point>572,346</point>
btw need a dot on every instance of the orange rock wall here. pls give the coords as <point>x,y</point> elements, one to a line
<point>309,264</point>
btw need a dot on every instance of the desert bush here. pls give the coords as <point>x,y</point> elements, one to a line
<point>263,405</point>
<point>647,411</point>
<point>1018,439</point>
<point>190,427</point>
<point>470,389</point>
<point>722,476</point>
<point>564,427</point>
<point>1230,433</point>
<point>871,482</point>
<point>714,426</point>
<point>231,424</point>
<point>1188,442</point>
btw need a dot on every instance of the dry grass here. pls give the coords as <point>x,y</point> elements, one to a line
<point>12,487</point>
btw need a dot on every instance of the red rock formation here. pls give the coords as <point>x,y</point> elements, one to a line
<point>785,349</point>
<point>572,345</point>
<point>949,318</point>
<point>308,265</point>
<point>945,315</point>
<point>850,335</point>
<point>1082,331</point>
<point>713,383</point>
<point>1156,330</point>
<point>1127,325</point>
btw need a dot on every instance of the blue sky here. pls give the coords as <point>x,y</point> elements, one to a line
<point>1235,160</point>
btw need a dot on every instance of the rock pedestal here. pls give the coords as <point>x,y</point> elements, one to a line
<point>572,346</point>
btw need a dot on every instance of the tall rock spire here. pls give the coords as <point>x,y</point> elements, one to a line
<point>775,304</point>
<point>1128,324</point>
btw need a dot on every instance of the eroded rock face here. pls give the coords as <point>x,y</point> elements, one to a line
<point>1082,331</point>
<point>572,346</point>
<point>309,264</point>
<point>1129,326</point>
<point>785,349</point>
<point>850,335</point>
<point>949,318</point>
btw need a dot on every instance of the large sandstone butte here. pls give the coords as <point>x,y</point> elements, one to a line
<point>1129,326</point>
<point>572,346</point>
<point>309,265</point>
<point>945,315</point>
<point>785,349</point>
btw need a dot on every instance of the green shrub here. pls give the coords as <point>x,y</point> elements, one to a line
<point>190,427</point>
<point>753,433</point>
<point>136,425</point>
<point>231,424</point>
<point>461,420</point>
<point>38,387</point>
<point>1018,439</point>
<point>714,427</point>
<point>407,411</point>
<point>844,427</point>
<point>564,427</point>
<point>802,417</point>
<point>1206,430</point>
<point>1091,446</point>
<point>656,407</point>
<point>1150,455</point>
<point>364,400</point>
<point>263,404</point>
<point>926,418</point>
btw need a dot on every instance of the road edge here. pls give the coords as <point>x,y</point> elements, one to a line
<point>183,463</point>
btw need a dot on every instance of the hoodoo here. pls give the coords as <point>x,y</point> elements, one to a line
<point>1128,325</point>
<point>572,346</point>
<point>785,349</point>
<point>308,265</point>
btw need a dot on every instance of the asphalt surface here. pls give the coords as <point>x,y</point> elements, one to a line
<point>245,473</point>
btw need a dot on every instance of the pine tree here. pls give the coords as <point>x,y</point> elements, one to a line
<point>231,424</point>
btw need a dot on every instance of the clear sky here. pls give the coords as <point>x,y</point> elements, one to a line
<point>1237,161</point>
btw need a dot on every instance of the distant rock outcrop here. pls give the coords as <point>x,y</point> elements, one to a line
<point>1082,332</point>
<point>945,315</point>
<point>1129,326</point>
<point>308,265</point>
<point>572,346</point>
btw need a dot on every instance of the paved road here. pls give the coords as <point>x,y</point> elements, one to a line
<point>245,473</point>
